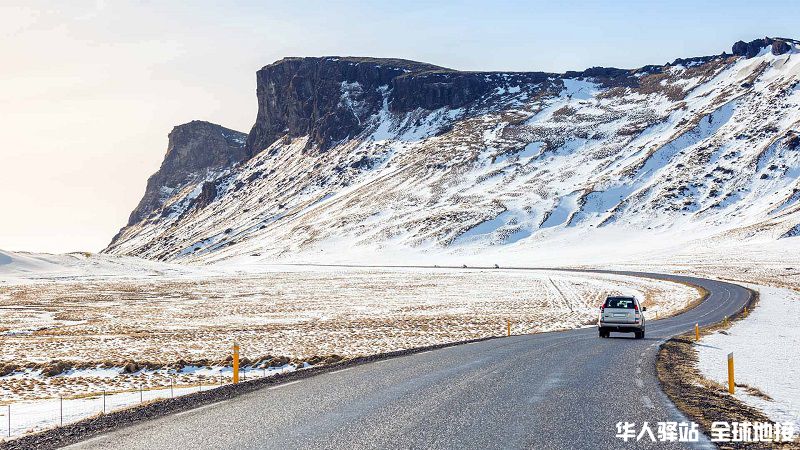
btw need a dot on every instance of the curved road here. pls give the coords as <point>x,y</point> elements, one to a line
<point>545,391</point>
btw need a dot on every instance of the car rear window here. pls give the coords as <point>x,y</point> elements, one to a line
<point>620,302</point>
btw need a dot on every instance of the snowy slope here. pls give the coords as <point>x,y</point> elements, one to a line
<point>703,149</point>
<point>25,267</point>
<point>765,354</point>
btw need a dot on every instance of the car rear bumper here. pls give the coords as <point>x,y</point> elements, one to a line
<point>621,327</point>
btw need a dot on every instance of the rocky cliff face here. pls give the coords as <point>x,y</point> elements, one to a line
<point>331,98</point>
<point>365,152</point>
<point>326,98</point>
<point>194,150</point>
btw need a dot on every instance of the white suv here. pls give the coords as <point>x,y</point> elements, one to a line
<point>621,314</point>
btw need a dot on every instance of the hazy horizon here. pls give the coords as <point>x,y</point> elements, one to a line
<point>92,89</point>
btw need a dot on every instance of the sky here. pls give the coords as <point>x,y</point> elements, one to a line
<point>90,90</point>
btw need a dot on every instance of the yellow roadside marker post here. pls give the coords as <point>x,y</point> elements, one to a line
<point>509,327</point>
<point>696,332</point>
<point>235,363</point>
<point>731,384</point>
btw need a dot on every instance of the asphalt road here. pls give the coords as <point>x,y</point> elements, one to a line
<point>545,391</point>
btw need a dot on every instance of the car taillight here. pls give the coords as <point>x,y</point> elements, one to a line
<point>636,307</point>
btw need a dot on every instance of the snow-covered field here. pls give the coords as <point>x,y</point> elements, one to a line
<point>766,344</point>
<point>297,313</point>
<point>27,268</point>
<point>765,347</point>
<point>36,415</point>
<point>70,324</point>
<point>178,322</point>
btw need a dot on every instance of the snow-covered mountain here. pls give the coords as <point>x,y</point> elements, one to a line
<point>379,154</point>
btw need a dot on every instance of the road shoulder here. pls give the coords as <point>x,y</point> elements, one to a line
<point>702,400</point>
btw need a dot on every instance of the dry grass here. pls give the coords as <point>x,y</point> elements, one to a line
<point>313,316</point>
<point>703,401</point>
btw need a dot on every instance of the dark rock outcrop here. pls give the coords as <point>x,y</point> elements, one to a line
<point>752,48</point>
<point>780,47</point>
<point>326,98</point>
<point>599,72</point>
<point>793,141</point>
<point>739,48</point>
<point>207,195</point>
<point>194,149</point>
<point>434,90</point>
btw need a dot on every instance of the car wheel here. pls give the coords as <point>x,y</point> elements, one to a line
<point>639,334</point>
<point>600,333</point>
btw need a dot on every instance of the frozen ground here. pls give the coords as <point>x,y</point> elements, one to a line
<point>177,322</point>
<point>28,416</point>
<point>765,347</point>
<point>98,326</point>
<point>70,324</point>
<point>36,415</point>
